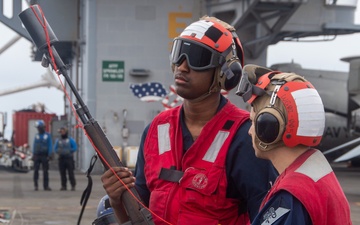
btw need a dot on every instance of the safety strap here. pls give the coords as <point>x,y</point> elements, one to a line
<point>171,174</point>
<point>86,194</point>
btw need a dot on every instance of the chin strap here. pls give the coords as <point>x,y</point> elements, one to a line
<point>212,89</point>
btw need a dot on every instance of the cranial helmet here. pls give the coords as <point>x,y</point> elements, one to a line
<point>105,213</point>
<point>288,109</point>
<point>40,123</point>
<point>210,43</point>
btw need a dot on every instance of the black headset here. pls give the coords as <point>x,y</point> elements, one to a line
<point>231,71</point>
<point>270,125</point>
<point>230,74</point>
<point>271,122</point>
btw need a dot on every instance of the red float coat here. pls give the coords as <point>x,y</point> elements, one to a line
<point>312,181</point>
<point>198,195</point>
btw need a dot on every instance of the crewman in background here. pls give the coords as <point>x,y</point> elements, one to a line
<point>42,151</point>
<point>65,147</point>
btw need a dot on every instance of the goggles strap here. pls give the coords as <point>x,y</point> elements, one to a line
<point>254,90</point>
<point>258,91</point>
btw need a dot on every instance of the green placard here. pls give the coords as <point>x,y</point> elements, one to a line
<point>113,71</point>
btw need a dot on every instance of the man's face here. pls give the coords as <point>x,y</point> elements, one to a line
<point>41,129</point>
<point>63,132</point>
<point>191,84</point>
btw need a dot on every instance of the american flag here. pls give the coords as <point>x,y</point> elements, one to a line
<point>149,92</point>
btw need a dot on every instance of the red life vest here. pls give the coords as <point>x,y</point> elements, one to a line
<point>191,188</point>
<point>312,181</point>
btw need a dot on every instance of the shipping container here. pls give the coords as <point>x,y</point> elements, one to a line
<point>24,125</point>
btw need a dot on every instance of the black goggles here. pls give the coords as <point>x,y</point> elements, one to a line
<point>198,56</point>
<point>247,88</point>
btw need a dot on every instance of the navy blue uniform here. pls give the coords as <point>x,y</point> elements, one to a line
<point>283,209</point>
<point>42,150</point>
<point>65,148</point>
<point>249,178</point>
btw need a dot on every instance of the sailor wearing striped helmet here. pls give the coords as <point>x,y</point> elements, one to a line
<point>210,44</point>
<point>196,163</point>
<point>288,120</point>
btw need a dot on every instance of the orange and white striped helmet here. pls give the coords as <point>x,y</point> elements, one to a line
<point>210,43</point>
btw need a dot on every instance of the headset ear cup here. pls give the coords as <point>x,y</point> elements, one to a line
<point>269,126</point>
<point>230,74</point>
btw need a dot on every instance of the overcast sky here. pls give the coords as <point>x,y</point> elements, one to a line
<point>17,69</point>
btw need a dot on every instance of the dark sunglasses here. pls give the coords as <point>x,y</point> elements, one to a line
<point>198,56</point>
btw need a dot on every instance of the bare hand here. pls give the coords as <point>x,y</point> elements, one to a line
<point>113,186</point>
